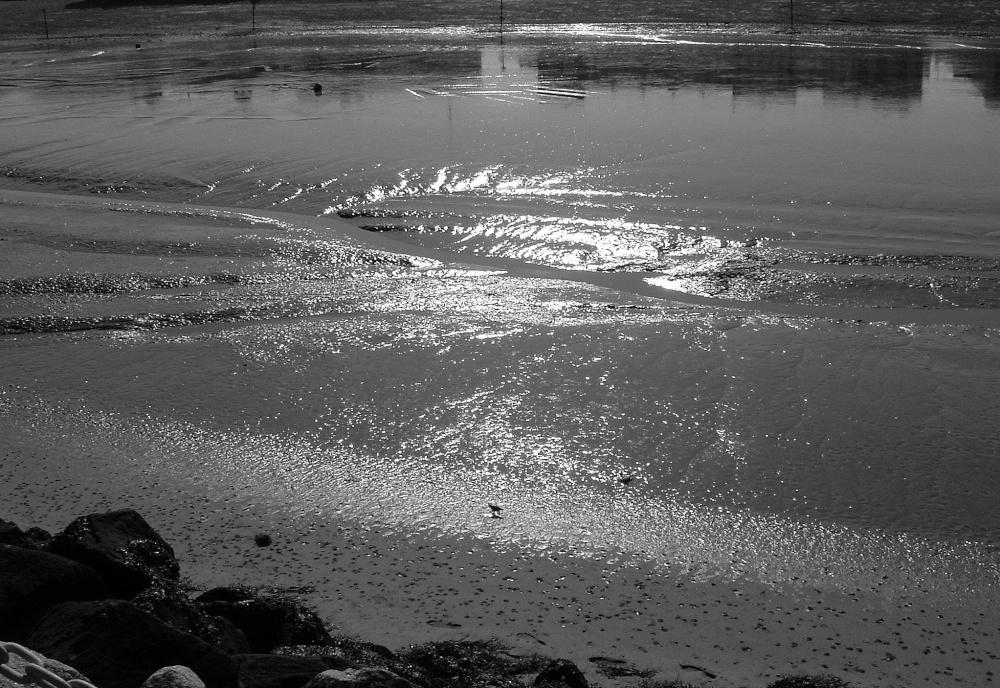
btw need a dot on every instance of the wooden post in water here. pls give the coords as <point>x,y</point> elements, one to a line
<point>45,19</point>
<point>501,21</point>
<point>253,16</point>
<point>791,15</point>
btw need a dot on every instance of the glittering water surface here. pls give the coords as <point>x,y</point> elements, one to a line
<point>771,172</point>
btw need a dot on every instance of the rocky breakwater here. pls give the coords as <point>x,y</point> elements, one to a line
<point>103,602</point>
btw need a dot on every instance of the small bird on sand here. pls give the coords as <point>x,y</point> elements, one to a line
<point>626,479</point>
<point>496,510</point>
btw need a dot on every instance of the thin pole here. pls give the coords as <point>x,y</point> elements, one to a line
<point>253,15</point>
<point>791,14</point>
<point>45,18</point>
<point>501,21</point>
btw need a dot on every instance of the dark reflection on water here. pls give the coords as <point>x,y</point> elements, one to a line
<point>891,74</point>
<point>982,69</point>
<point>894,76</point>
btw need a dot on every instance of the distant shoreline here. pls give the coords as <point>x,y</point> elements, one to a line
<point>151,19</point>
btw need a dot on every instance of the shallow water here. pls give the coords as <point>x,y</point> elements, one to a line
<point>732,168</point>
<point>836,428</point>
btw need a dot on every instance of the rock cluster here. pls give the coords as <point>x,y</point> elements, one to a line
<point>104,600</point>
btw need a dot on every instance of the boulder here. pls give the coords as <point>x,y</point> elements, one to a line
<point>33,538</point>
<point>174,677</point>
<point>119,646</point>
<point>32,581</point>
<point>168,602</point>
<point>359,678</point>
<point>282,671</point>
<point>561,673</point>
<point>122,548</point>
<point>269,621</point>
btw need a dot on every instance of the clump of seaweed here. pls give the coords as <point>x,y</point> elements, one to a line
<point>813,681</point>
<point>669,683</point>
<point>444,664</point>
<point>618,668</point>
<point>466,664</point>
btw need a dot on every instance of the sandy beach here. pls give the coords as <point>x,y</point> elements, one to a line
<point>692,308</point>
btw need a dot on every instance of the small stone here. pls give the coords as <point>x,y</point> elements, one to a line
<point>262,539</point>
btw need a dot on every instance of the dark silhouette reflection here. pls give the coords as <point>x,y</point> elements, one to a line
<point>982,68</point>
<point>333,71</point>
<point>148,91</point>
<point>430,63</point>
<point>560,71</point>
<point>893,76</point>
<point>242,73</point>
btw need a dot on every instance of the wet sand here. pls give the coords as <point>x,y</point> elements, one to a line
<point>70,448</point>
<point>399,589</point>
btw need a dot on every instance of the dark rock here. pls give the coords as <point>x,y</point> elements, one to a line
<point>118,645</point>
<point>124,550</point>
<point>168,602</point>
<point>561,673</point>
<point>32,581</point>
<point>262,540</point>
<point>174,677</point>
<point>33,538</point>
<point>268,621</point>
<point>364,677</point>
<point>281,671</point>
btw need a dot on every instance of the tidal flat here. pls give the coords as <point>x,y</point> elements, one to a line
<point>709,310</point>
